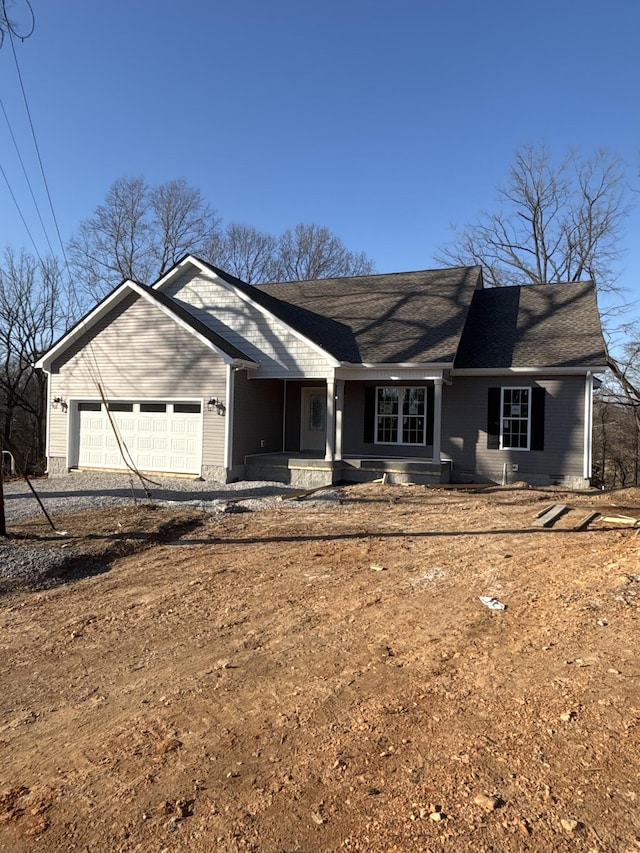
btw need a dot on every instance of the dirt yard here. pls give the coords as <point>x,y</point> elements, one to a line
<point>311,680</point>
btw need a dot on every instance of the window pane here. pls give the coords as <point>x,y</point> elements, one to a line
<point>89,407</point>
<point>413,401</point>
<point>388,401</point>
<point>153,407</point>
<point>317,412</point>
<point>186,408</point>
<point>120,407</point>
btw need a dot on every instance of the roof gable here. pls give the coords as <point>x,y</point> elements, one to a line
<point>187,321</point>
<point>269,306</point>
<point>544,325</point>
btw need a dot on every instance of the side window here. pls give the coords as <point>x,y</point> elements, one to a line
<point>515,418</point>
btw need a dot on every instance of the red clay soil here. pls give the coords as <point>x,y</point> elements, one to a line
<point>326,678</point>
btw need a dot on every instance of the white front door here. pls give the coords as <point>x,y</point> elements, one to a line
<point>314,419</point>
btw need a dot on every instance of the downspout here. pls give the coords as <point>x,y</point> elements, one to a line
<point>588,425</point>
<point>47,438</point>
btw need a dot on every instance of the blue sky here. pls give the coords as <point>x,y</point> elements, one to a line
<point>386,122</point>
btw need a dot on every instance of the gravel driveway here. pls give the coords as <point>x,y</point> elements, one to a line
<point>85,490</point>
<point>23,563</point>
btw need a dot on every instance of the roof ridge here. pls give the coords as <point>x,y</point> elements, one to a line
<point>368,275</point>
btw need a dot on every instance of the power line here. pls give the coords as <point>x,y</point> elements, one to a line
<point>5,22</point>
<point>24,222</point>
<point>96,376</point>
<point>26,176</point>
<point>37,147</point>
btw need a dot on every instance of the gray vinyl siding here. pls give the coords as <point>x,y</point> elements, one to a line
<point>57,429</point>
<point>280,353</point>
<point>258,407</point>
<point>137,353</point>
<point>464,430</point>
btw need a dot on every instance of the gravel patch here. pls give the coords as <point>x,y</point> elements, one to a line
<point>21,564</point>
<point>84,490</point>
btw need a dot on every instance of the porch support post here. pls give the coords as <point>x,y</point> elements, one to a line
<point>228,419</point>
<point>437,418</point>
<point>330,442</point>
<point>339,404</point>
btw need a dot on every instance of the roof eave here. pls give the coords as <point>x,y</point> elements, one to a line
<point>390,365</point>
<point>572,370</point>
<point>83,325</point>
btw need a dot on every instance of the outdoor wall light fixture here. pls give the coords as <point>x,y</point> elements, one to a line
<point>215,404</point>
<point>59,403</point>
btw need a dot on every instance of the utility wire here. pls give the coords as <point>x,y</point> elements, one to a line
<point>37,147</point>
<point>26,176</point>
<point>11,27</point>
<point>24,222</point>
<point>132,468</point>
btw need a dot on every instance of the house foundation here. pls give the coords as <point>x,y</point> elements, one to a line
<point>305,471</point>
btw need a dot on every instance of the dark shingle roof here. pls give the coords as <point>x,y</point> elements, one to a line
<point>414,317</point>
<point>544,325</point>
<point>436,316</point>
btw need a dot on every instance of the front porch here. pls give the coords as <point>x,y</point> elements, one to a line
<point>310,470</point>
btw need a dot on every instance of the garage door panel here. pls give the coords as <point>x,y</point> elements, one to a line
<point>125,424</point>
<point>157,439</point>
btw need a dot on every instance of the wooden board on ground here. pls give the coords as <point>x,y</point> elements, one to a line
<point>551,515</point>
<point>586,521</point>
<point>545,510</point>
<point>626,520</point>
<point>303,493</point>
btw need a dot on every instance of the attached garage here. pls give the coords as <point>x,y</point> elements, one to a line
<point>150,435</point>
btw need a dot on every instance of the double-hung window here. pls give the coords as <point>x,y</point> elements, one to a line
<point>401,415</point>
<point>515,408</point>
<point>515,418</point>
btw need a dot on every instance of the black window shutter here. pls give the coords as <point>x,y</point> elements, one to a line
<point>493,419</point>
<point>430,395</point>
<point>369,415</point>
<point>537,418</point>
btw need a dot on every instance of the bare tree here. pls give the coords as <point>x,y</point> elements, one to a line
<point>245,252</point>
<point>555,222</point>
<point>139,232</point>
<point>182,223</point>
<point>312,251</point>
<point>32,315</point>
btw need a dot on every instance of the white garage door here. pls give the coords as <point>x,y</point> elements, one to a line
<point>157,436</point>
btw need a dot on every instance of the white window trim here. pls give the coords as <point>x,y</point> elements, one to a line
<point>401,443</point>
<point>529,391</point>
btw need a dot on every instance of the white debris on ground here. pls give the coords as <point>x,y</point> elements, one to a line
<point>85,491</point>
